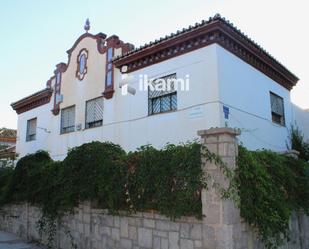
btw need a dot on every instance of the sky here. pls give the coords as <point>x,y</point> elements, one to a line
<point>35,35</point>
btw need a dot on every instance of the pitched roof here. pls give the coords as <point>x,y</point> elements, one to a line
<point>214,30</point>
<point>7,133</point>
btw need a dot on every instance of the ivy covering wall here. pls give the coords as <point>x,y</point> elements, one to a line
<point>271,186</point>
<point>168,181</point>
<point>268,186</point>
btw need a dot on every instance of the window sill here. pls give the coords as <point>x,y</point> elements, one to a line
<point>279,125</point>
<point>89,128</point>
<point>158,113</point>
<point>63,133</point>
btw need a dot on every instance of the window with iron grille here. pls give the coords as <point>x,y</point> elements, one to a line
<point>94,113</point>
<point>31,130</point>
<point>165,100</point>
<point>277,109</point>
<point>67,120</point>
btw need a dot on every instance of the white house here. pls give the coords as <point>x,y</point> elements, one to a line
<point>232,82</point>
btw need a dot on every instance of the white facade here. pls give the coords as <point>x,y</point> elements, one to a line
<point>217,78</point>
<point>247,92</point>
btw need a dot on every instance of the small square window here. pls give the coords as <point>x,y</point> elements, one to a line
<point>277,109</point>
<point>31,129</point>
<point>160,101</point>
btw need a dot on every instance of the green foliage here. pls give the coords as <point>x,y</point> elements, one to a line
<point>298,142</point>
<point>266,186</point>
<point>27,176</point>
<point>96,171</point>
<point>168,180</point>
<point>6,173</point>
<point>270,187</point>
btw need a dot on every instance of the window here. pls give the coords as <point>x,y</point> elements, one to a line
<point>277,109</point>
<point>109,67</point>
<point>31,130</point>
<point>67,120</point>
<point>162,98</point>
<point>82,64</point>
<point>94,112</point>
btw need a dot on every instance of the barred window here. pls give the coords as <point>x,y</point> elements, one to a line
<point>94,113</point>
<point>165,99</point>
<point>31,130</point>
<point>277,109</point>
<point>67,120</point>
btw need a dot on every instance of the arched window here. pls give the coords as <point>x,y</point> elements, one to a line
<point>82,64</point>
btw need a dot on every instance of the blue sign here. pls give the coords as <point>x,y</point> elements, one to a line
<point>226,112</point>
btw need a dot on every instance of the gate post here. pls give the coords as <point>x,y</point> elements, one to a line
<point>222,218</point>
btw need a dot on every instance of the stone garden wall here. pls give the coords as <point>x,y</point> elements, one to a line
<point>94,229</point>
<point>221,228</point>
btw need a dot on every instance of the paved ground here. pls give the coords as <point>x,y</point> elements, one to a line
<point>10,241</point>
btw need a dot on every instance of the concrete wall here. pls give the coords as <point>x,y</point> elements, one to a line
<point>221,228</point>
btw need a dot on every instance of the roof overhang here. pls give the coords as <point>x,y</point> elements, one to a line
<point>215,30</point>
<point>35,100</point>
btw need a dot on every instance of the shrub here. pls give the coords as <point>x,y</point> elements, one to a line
<point>298,142</point>
<point>95,171</point>
<point>168,180</point>
<point>6,173</point>
<point>270,187</point>
<point>27,177</point>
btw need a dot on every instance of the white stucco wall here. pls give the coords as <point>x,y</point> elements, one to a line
<point>217,78</point>
<point>126,121</point>
<point>245,90</point>
<point>44,121</point>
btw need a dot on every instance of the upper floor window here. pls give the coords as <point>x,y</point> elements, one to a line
<point>67,120</point>
<point>94,112</point>
<point>162,98</point>
<point>82,64</point>
<point>109,67</point>
<point>31,130</point>
<point>277,109</point>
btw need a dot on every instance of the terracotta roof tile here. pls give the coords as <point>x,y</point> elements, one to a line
<point>7,133</point>
<point>201,24</point>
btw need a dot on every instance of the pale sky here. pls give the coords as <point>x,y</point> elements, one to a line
<point>36,34</point>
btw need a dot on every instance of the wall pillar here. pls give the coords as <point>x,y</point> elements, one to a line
<point>221,224</point>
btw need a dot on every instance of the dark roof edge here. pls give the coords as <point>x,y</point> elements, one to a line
<point>32,101</point>
<point>229,31</point>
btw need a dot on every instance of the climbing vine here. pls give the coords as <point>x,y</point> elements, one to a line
<point>167,180</point>
<point>266,186</point>
<point>271,186</point>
